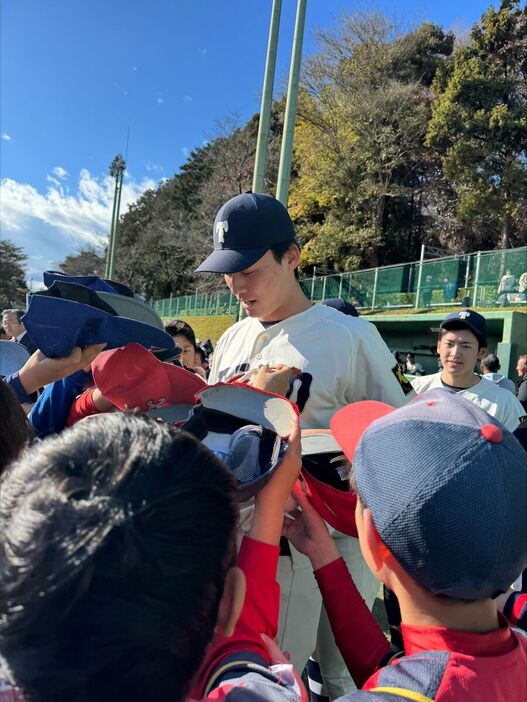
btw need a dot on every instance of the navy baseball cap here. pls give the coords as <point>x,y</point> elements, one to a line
<point>341,305</point>
<point>245,228</point>
<point>446,484</point>
<point>467,319</point>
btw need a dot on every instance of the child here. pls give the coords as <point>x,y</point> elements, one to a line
<point>117,564</point>
<point>442,497</point>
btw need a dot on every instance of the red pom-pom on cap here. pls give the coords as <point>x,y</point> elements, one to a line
<point>491,433</point>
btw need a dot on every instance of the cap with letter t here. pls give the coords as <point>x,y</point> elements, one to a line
<point>245,228</point>
<point>467,319</point>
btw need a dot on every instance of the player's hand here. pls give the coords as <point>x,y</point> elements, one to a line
<point>274,379</point>
<point>308,533</point>
<point>39,370</point>
<point>276,655</point>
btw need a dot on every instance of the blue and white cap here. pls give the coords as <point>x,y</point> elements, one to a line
<point>244,230</point>
<point>467,319</point>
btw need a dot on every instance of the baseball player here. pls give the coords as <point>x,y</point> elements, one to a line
<point>462,342</point>
<point>341,359</point>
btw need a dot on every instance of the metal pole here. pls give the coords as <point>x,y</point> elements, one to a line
<point>324,288</point>
<point>475,297</point>
<point>119,184</point>
<point>374,295</point>
<point>313,281</point>
<point>340,285</point>
<point>110,240</point>
<point>419,276</point>
<point>286,153</point>
<point>267,100</point>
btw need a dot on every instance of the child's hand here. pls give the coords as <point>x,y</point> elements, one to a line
<point>308,533</point>
<point>270,501</point>
<point>274,379</point>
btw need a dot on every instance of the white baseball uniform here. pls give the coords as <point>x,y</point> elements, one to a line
<point>342,359</point>
<point>496,401</point>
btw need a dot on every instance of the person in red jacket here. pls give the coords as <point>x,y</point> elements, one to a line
<point>442,497</point>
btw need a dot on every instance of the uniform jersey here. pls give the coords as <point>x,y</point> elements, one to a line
<point>496,401</point>
<point>342,359</point>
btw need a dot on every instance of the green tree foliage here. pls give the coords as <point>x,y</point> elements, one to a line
<point>359,145</point>
<point>479,127</point>
<point>13,287</point>
<point>86,262</point>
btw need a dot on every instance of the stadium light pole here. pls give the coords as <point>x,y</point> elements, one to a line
<point>267,100</point>
<point>286,152</point>
<point>116,170</point>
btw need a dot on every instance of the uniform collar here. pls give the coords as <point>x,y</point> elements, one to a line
<point>435,638</point>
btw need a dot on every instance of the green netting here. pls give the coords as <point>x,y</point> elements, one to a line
<point>463,279</point>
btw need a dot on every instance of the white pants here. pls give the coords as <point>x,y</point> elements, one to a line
<point>304,626</point>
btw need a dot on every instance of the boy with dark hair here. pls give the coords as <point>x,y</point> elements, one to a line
<point>442,497</point>
<point>117,552</point>
<point>462,343</point>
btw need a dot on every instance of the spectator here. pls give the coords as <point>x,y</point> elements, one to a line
<point>184,337</point>
<point>522,287</point>
<point>462,342</point>
<point>426,291</point>
<point>490,365</point>
<point>506,286</point>
<point>15,329</point>
<point>201,359</point>
<point>521,385</point>
<point>449,290</point>
<point>15,430</point>
<point>412,366</point>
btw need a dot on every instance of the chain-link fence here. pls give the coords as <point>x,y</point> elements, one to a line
<point>482,279</point>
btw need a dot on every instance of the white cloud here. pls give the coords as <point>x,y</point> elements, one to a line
<point>60,172</point>
<point>185,151</point>
<point>160,100</point>
<point>6,137</point>
<point>154,167</point>
<point>50,225</point>
<point>187,98</point>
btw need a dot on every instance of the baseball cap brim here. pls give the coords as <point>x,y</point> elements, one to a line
<point>336,506</point>
<point>349,423</point>
<point>231,261</point>
<point>12,356</point>
<point>131,377</point>
<point>57,326</point>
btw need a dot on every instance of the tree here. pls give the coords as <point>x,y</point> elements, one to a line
<point>13,286</point>
<point>359,148</point>
<point>479,124</point>
<point>85,262</point>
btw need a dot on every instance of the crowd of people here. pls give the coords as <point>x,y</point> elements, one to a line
<point>181,522</point>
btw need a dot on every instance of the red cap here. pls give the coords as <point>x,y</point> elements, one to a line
<point>131,377</point>
<point>349,423</point>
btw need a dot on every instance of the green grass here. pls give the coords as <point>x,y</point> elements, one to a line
<point>209,327</point>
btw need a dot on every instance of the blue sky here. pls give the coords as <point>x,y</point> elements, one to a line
<point>75,75</point>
